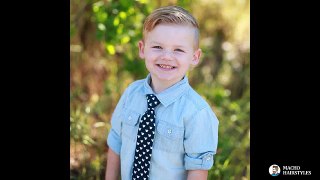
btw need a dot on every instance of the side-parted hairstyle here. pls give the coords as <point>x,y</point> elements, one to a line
<point>171,15</point>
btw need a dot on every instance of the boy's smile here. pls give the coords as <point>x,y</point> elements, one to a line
<point>165,67</point>
<point>169,50</point>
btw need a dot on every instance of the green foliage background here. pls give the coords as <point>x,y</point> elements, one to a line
<point>104,60</point>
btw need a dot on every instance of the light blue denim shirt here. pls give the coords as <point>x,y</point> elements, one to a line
<point>186,130</point>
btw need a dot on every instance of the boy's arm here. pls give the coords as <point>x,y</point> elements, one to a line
<point>197,174</point>
<point>114,141</point>
<point>113,166</point>
<point>199,155</point>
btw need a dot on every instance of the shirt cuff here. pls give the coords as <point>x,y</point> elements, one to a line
<point>202,161</point>
<point>114,141</point>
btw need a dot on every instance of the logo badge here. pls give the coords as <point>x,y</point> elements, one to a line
<point>274,170</point>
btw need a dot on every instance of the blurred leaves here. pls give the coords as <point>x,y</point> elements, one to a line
<point>104,59</point>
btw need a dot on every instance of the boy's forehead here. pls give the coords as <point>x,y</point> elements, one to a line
<point>180,27</point>
<point>175,31</point>
<point>173,34</point>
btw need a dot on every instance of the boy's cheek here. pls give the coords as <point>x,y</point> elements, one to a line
<point>148,56</point>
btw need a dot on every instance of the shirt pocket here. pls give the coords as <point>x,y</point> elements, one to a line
<point>130,124</point>
<point>168,137</point>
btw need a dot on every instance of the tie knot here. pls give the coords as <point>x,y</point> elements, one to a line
<point>152,101</point>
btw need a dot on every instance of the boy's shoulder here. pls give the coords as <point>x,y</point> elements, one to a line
<point>135,85</point>
<point>196,99</point>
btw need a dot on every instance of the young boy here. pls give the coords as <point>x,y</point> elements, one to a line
<point>161,128</point>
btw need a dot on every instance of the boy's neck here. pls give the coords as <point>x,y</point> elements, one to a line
<point>158,86</point>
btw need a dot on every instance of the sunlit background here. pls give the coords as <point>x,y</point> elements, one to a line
<point>104,60</point>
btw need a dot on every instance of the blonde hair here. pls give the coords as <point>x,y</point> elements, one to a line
<point>171,15</point>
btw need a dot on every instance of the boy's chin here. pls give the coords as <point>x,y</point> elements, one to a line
<point>167,78</point>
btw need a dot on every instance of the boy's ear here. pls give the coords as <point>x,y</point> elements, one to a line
<point>196,57</point>
<point>141,49</point>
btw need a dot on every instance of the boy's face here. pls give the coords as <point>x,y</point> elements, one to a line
<point>274,169</point>
<point>169,51</point>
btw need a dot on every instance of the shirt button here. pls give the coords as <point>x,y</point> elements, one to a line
<point>208,158</point>
<point>169,131</point>
<point>129,117</point>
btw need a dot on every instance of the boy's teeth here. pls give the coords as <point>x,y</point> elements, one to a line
<point>165,66</point>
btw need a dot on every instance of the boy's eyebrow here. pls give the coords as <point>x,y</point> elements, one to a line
<point>176,46</point>
<point>154,42</point>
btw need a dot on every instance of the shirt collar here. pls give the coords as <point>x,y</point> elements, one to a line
<point>169,95</point>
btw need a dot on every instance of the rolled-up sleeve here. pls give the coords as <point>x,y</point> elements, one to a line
<point>114,136</point>
<point>201,139</point>
<point>199,161</point>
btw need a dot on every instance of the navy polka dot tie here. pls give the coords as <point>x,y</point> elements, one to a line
<point>145,136</point>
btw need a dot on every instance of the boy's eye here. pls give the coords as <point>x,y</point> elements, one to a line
<point>157,47</point>
<point>179,50</point>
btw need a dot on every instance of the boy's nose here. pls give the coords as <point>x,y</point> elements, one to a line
<point>167,54</point>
